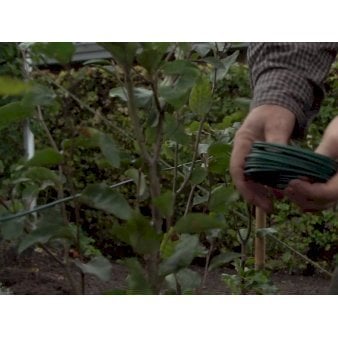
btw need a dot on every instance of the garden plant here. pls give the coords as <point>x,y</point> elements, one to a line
<point>131,164</point>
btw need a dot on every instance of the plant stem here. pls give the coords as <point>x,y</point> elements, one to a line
<point>207,261</point>
<point>46,129</point>
<point>195,153</point>
<point>132,110</point>
<point>171,218</point>
<point>65,266</point>
<point>191,194</point>
<point>159,129</point>
<point>178,285</point>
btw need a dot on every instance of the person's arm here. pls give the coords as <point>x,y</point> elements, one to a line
<point>290,75</point>
<point>287,80</point>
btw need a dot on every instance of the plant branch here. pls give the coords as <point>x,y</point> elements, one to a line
<point>191,194</point>
<point>134,116</point>
<point>46,129</point>
<point>195,153</point>
<point>207,261</point>
<point>159,129</point>
<point>174,194</point>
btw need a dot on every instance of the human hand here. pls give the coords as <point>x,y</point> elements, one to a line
<point>318,196</point>
<point>269,123</point>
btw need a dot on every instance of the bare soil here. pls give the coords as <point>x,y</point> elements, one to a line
<point>36,273</point>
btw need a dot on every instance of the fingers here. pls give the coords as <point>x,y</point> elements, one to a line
<point>313,196</point>
<point>265,123</point>
<point>253,193</point>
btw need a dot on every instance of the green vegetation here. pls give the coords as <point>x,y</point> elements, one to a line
<point>158,118</point>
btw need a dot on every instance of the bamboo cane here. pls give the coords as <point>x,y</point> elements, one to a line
<point>260,240</point>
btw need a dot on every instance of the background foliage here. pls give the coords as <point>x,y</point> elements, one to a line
<point>189,99</point>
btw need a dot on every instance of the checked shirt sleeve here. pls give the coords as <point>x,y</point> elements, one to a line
<point>290,75</point>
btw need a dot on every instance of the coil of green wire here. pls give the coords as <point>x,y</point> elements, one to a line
<point>275,165</point>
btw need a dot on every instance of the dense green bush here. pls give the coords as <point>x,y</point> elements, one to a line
<point>85,116</point>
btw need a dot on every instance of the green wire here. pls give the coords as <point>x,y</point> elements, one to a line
<point>275,164</point>
<point>51,204</point>
<point>69,198</point>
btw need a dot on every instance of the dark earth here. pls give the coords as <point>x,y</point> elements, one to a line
<point>37,273</point>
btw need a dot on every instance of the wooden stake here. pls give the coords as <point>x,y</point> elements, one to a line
<point>260,240</point>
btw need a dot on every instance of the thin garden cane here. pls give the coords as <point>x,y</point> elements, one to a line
<point>260,240</point>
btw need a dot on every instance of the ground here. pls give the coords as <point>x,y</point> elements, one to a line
<point>37,274</point>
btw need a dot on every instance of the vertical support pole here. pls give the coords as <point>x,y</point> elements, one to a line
<point>260,240</point>
<point>28,136</point>
<point>28,140</point>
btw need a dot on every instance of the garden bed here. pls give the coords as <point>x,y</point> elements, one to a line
<point>37,274</point>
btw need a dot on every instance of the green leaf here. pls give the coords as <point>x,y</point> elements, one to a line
<point>177,92</point>
<point>193,127</point>
<point>168,243</point>
<point>227,63</point>
<point>203,48</point>
<point>220,153</point>
<point>198,199</point>
<point>164,203</point>
<point>14,112</point>
<point>109,150</point>
<point>177,96</point>
<point>142,95</point>
<point>123,52</point>
<point>11,86</point>
<point>151,56</point>
<point>139,179</point>
<point>98,266</point>
<point>242,234</point>
<point>243,103</point>
<point>219,149</point>
<point>223,258</point>
<point>230,60</point>
<point>81,141</point>
<point>222,198</point>
<point>215,62</point>
<point>200,99</point>
<point>266,231</point>
<point>140,234</point>
<point>39,95</point>
<point>91,138</point>
<point>188,279</point>
<point>41,174</point>
<point>138,283</point>
<point>119,92</point>
<point>101,197</point>
<point>196,223</point>
<point>45,158</point>
<point>12,230</point>
<point>185,250</point>
<point>39,235</point>
<point>60,51</point>
<point>199,174</point>
<point>174,130</point>
<point>180,67</point>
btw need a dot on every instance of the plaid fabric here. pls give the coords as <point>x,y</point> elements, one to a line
<point>290,75</point>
